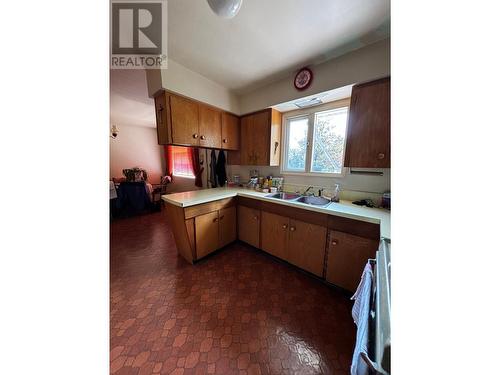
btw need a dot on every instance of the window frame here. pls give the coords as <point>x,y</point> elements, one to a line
<point>310,113</point>
<point>177,174</point>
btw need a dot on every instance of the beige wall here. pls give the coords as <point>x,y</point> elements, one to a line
<point>364,64</point>
<point>136,146</point>
<point>183,81</point>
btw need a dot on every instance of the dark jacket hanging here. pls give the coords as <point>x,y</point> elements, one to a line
<point>220,169</point>
<point>213,163</point>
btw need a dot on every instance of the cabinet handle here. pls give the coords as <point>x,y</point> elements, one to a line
<point>292,229</point>
<point>256,218</point>
<point>285,226</point>
<point>224,140</point>
<point>222,217</point>
<point>195,135</point>
<point>216,220</point>
<point>381,156</point>
<point>203,137</point>
<point>160,119</point>
<point>335,242</point>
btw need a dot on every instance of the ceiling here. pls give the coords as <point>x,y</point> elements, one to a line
<point>129,100</point>
<point>265,42</point>
<point>268,40</point>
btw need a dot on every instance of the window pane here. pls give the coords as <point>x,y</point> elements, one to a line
<point>182,162</point>
<point>328,144</point>
<point>297,144</point>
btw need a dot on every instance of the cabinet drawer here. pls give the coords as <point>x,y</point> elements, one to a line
<point>204,208</point>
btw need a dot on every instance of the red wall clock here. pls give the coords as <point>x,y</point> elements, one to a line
<point>303,79</point>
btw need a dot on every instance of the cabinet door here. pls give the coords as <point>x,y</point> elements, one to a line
<point>210,127</point>
<point>246,137</point>
<point>230,132</point>
<point>261,137</point>
<point>249,225</point>
<point>227,225</point>
<point>274,231</point>
<point>347,257</point>
<point>368,131</point>
<point>306,246</point>
<point>162,119</point>
<point>185,128</point>
<point>207,233</point>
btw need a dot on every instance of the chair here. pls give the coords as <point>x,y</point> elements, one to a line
<point>133,198</point>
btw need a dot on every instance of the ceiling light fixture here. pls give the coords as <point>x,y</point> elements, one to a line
<point>225,8</point>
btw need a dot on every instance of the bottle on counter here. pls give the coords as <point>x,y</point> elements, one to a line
<point>336,193</point>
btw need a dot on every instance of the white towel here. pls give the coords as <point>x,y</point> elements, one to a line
<point>360,314</point>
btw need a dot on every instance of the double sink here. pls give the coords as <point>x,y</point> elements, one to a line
<point>291,197</point>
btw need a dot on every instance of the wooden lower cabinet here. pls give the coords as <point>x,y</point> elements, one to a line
<point>249,225</point>
<point>227,226</point>
<point>206,233</point>
<point>347,257</point>
<point>306,246</point>
<point>274,231</point>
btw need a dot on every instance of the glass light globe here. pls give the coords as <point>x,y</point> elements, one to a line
<point>225,8</point>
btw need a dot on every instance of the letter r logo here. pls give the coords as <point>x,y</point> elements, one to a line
<point>136,28</point>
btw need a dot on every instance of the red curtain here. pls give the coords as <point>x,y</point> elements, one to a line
<point>185,162</point>
<point>195,163</point>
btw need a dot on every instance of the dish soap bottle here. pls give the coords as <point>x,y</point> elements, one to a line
<point>336,193</point>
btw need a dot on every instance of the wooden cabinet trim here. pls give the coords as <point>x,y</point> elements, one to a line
<point>204,208</point>
<point>355,227</point>
<point>307,216</point>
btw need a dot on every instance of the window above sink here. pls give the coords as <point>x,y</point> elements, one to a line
<point>314,140</point>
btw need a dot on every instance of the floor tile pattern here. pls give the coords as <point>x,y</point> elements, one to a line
<point>236,312</point>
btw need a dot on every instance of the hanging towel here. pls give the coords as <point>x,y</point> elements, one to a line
<point>220,169</point>
<point>361,314</point>
<point>213,163</point>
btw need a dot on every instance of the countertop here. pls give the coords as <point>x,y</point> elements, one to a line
<point>343,208</point>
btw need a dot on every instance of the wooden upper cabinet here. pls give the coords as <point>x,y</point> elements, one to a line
<point>185,121</point>
<point>249,225</point>
<point>227,226</point>
<point>230,132</point>
<point>274,232</point>
<point>163,126</point>
<point>260,138</point>
<point>210,127</point>
<point>207,233</point>
<point>306,246</point>
<point>347,257</point>
<point>368,131</point>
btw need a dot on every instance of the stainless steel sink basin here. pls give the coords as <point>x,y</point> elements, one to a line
<point>316,201</point>
<point>284,196</point>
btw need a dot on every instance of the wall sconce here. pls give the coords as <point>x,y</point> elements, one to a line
<point>114,132</point>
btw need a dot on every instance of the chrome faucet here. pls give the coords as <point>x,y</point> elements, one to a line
<point>307,191</point>
<point>320,192</point>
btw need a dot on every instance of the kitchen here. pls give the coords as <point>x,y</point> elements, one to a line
<point>292,175</point>
<point>249,187</point>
